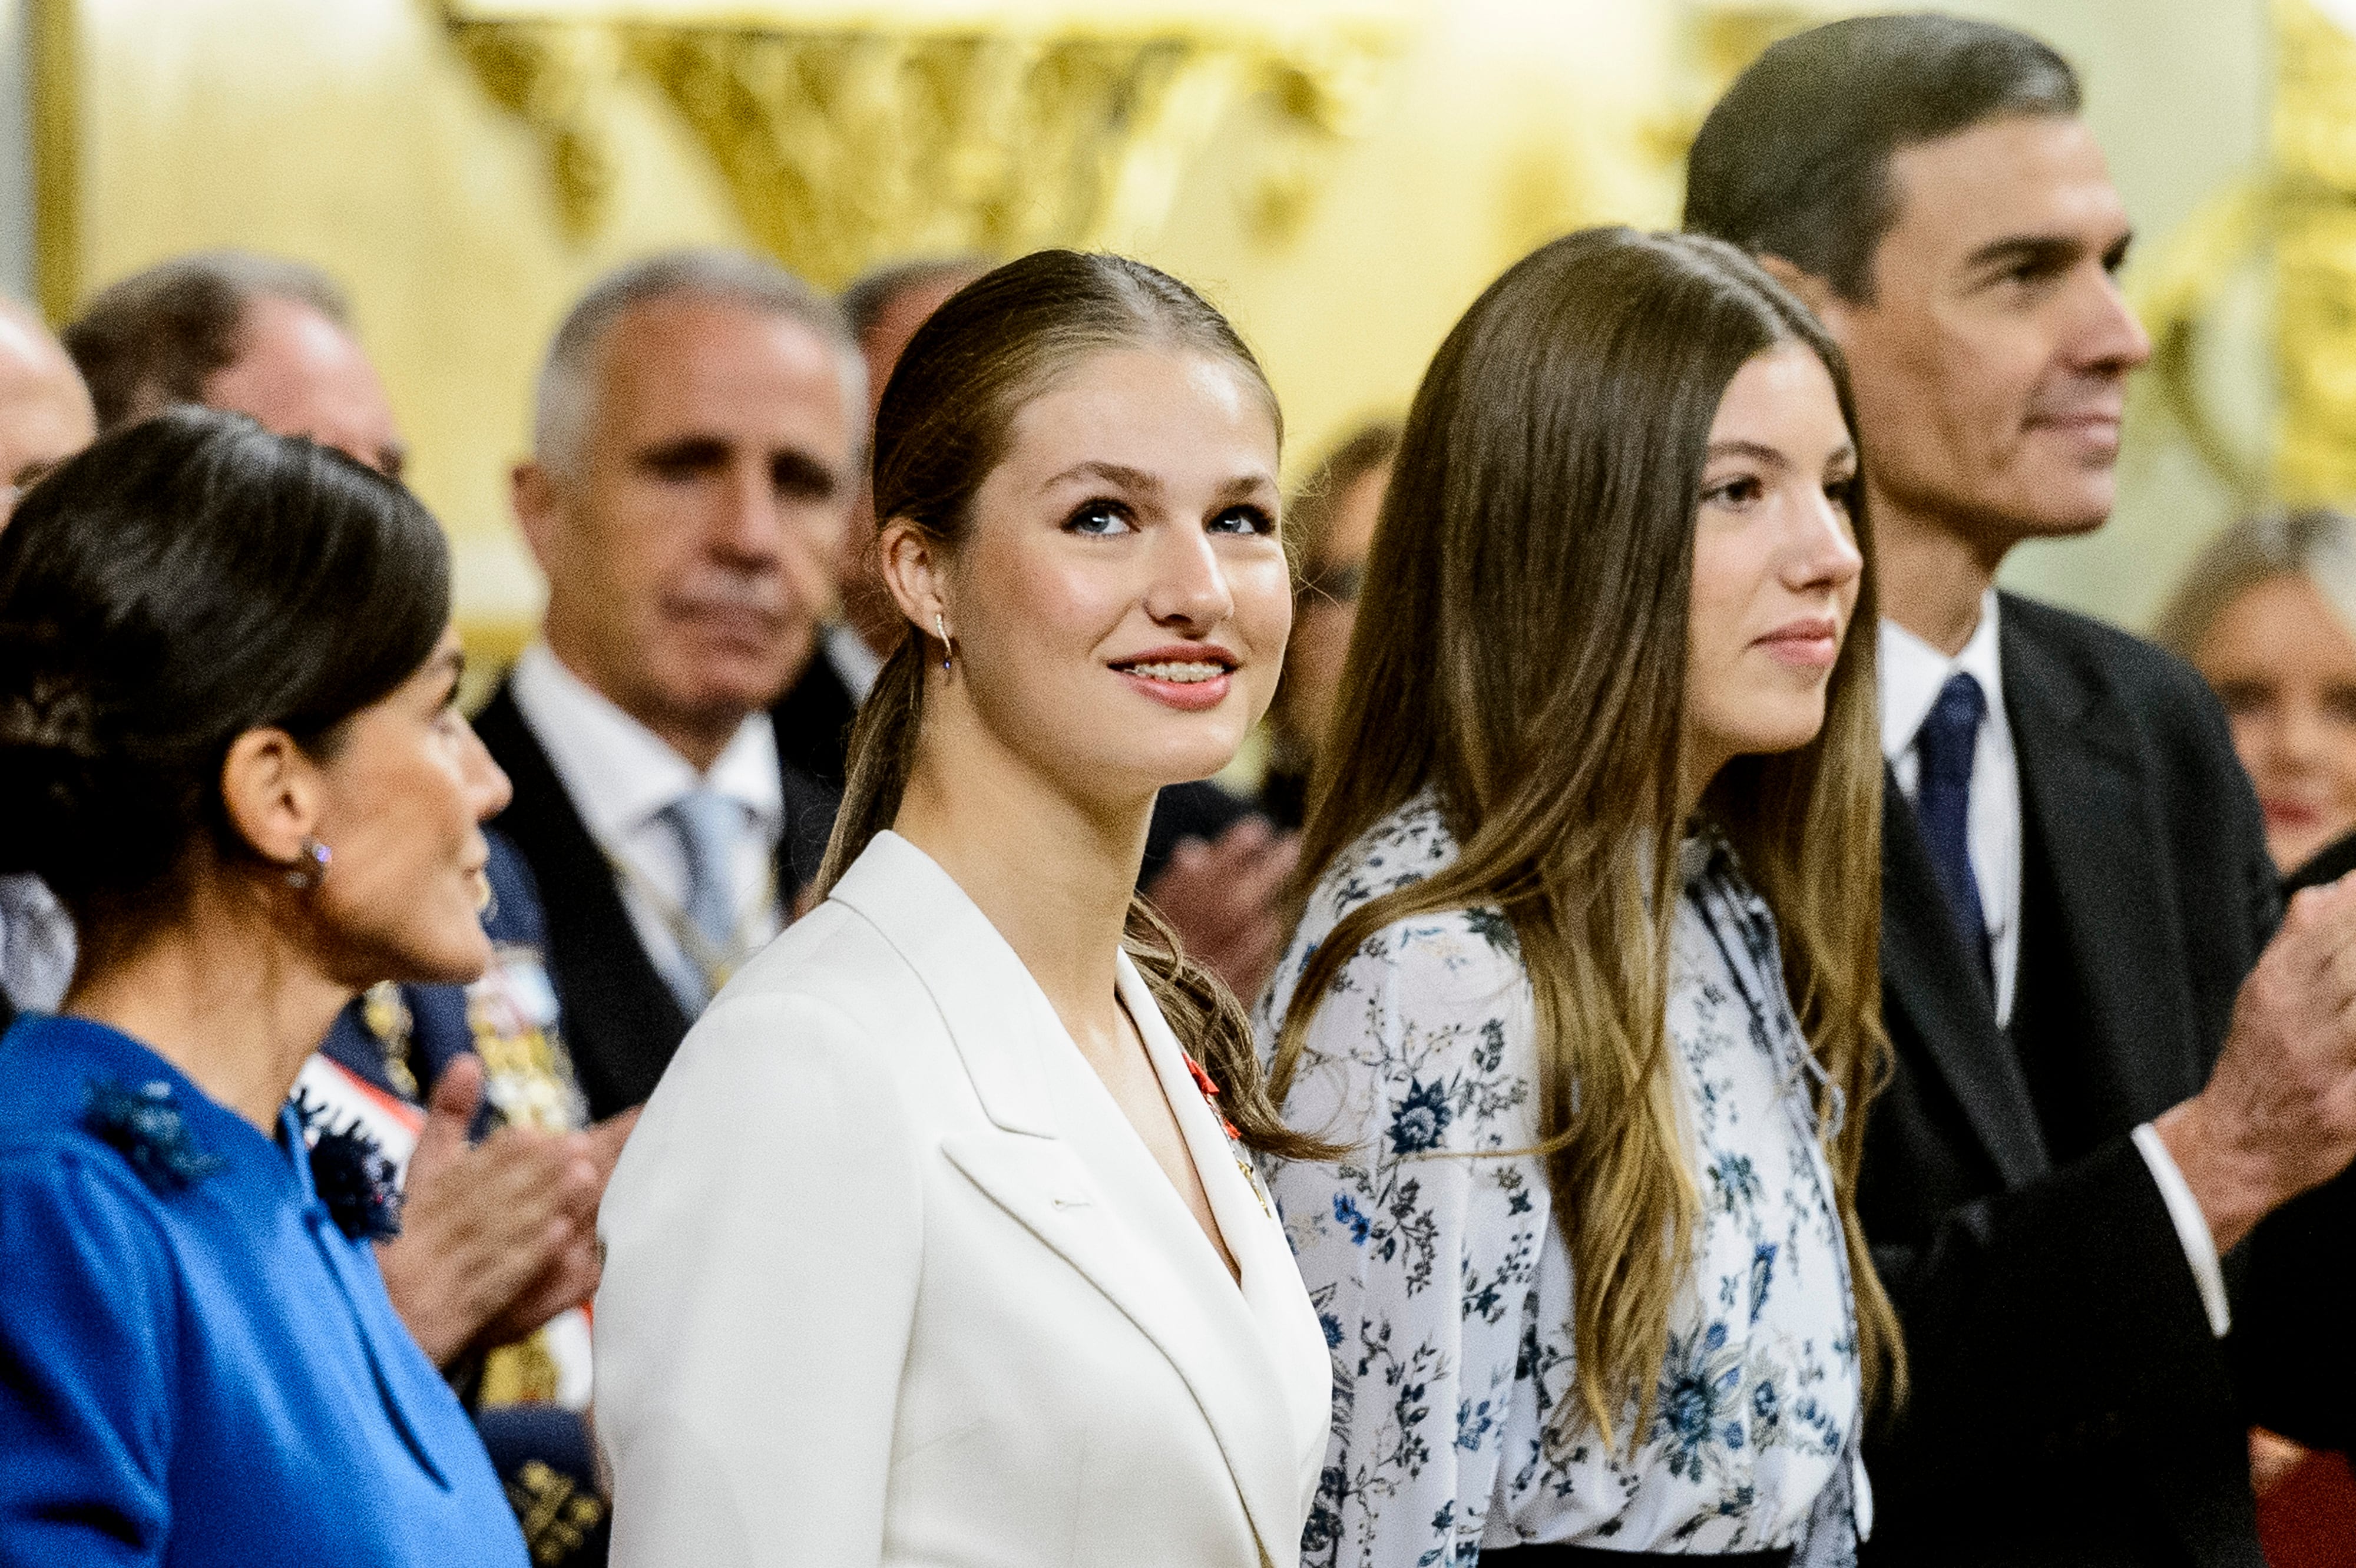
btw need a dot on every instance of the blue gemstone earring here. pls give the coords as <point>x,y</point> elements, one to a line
<point>312,869</point>
<point>942,627</point>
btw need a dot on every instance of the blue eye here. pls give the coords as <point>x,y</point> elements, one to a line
<point>1245,519</point>
<point>1098,519</point>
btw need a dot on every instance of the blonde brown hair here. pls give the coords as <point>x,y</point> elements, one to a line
<point>2316,542</point>
<point>1520,651</point>
<point>943,426</point>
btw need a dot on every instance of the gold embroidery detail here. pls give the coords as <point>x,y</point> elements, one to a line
<point>385,1012</point>
<point>555,1514</point>
<point>520,1373</point>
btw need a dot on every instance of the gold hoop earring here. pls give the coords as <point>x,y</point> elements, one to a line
<point>940,627</point>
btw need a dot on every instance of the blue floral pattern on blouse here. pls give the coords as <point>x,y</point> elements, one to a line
<point>1444,1286</point>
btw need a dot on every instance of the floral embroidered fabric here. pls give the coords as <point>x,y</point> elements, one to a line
<point>1444,1284</point>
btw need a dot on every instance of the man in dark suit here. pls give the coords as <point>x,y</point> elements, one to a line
<point>700,419</point>
<point>2109,1068</point>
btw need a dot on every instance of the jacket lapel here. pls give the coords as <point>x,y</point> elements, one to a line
<point>1002,1027</point>
<point>622,1024</point>
<point>2083,792</point>
<point>1930,981</point>
<point>1042,1184</point>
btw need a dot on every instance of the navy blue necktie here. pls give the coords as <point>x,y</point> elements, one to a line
<point>1943,804</point>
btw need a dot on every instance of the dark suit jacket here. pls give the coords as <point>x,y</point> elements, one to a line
<point>2332,862</point>
<point>2070,1404</point>
<point>813,720</point>
<point>621,1021</point>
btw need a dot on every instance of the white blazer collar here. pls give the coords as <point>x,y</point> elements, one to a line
<point>997,1016</point>
<point>973,975</point>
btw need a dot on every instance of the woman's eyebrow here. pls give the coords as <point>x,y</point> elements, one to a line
<point>1117,473</point>
<point>1751,449</point>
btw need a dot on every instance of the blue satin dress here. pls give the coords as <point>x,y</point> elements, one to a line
<point>198,1365</point>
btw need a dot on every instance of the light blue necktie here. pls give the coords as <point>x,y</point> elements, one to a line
<point>707,823</point>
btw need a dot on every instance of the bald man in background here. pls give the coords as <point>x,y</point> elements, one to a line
<point>255,335</point>
<point>45,418</point>
<point>45,412</point>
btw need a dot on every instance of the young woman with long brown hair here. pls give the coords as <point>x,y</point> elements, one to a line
<point>936,1244</point>
<point>1592,1273</point>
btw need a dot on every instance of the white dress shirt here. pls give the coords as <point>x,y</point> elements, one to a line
<point>855,663</point>
<point>1912,673</point>
<point>621,777</point>
<point>37,944</point>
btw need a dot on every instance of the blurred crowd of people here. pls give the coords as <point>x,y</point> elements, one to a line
<point>1729,1087</point>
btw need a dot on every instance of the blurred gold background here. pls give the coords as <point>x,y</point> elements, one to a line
<point>1342,176</point>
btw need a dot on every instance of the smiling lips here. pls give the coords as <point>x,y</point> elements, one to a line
<point>1811,644</point>
<point>1190,678</point>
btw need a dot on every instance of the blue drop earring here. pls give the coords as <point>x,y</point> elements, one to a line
<point>943,629</point>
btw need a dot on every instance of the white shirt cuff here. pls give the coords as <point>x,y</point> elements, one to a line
<point>2191,1227</point>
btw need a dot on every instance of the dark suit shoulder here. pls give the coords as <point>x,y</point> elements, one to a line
<point>2125,662</point>
<point>813,718</point>
<point>2164,697</point>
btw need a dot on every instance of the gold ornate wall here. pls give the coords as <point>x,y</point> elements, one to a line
<point>1342,176</point>
<point>847,140</point>
<point>2290,230</point>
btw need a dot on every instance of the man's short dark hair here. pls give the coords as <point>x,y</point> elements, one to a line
<point>871,294</point>
<point>1794,160</point>
<point>153,339</point>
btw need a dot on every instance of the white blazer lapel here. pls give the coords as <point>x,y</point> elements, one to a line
<point>1292,1339</point>
<point>1002,1025</point>
<point>1047,1187</point>
<point>980,987</point>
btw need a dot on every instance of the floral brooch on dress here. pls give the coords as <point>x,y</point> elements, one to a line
<point>358,1183</point>
<point>145,1125</point>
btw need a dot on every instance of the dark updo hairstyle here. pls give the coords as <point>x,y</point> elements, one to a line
<point>944,425</point>
<point>180,583</point>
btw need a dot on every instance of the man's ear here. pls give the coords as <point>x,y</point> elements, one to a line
<point>915,570</point>
<point>1815,292</point>
<point>534,495</point>
<point>271,791</point>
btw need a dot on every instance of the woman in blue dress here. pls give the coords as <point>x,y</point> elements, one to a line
<point>229,743</point>
<point>1588,975</point>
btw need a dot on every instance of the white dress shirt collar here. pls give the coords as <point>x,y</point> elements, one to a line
<point>620,773</point>
<point>855,663</point>
<point>1912,673</point>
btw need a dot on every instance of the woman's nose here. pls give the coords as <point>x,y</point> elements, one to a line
<point>486,781</point>
<point>1824,551</point>
<point>1190,587</point>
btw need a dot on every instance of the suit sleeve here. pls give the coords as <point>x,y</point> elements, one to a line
<point>761,1239</point>
<point>2057,1318</point>
<point>88,1355</point>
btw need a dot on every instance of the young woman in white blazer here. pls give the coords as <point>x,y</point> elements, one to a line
<point>938,1243</point>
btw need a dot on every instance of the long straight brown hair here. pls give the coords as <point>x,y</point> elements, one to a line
<point>942,427</point>
<point>1520,651</point>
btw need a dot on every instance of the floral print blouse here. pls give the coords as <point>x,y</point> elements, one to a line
<point>1444,1284</point>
